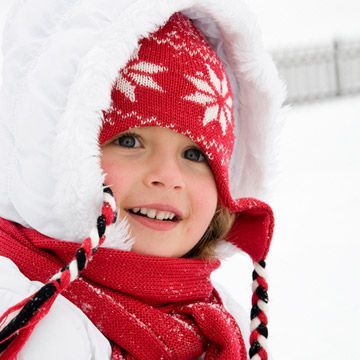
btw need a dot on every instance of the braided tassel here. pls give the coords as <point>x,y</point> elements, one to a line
<point>259,321</point>
<point>18,322</point>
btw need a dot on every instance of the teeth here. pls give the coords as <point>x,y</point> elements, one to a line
<point>152,213</point>
<point>161,215</point>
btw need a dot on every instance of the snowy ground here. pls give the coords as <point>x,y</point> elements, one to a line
<point>314,261</point>
<point>313,264</point>
<point>315,257</point>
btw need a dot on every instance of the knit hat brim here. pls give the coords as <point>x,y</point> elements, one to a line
<point>66,118</point>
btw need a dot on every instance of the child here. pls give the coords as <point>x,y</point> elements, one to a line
<point>161,141</point>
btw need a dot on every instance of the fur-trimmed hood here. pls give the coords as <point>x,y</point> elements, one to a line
<point>60,61</point>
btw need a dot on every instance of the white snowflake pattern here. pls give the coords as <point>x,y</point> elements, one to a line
<point>215,96</point>
<point>138,73</point>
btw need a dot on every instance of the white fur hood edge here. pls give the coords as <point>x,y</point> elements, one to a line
<point>60,60</point>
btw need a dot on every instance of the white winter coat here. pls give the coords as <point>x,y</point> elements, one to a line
<point>60,60</point>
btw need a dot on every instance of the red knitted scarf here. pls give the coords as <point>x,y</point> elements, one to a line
<point>148,307</point>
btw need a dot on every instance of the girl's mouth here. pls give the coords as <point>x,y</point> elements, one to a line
<point>154,214</point>
<point>154,219</point>
<point>153,223</point>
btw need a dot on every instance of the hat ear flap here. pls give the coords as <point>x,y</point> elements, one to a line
<point>253,228</point>
<point>252,232</point>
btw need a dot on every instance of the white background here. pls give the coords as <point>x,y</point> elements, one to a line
<point>314,261</point>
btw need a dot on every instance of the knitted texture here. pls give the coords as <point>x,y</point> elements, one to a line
<point>173,80</point>
<point>176,80</point>
<point>148,307</point>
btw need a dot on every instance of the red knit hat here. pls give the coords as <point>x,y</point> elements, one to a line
<point>176,80</point>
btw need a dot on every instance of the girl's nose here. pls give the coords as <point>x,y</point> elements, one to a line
<point>164,172</point>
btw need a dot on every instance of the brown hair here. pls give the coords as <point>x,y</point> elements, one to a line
<point>220,225</point>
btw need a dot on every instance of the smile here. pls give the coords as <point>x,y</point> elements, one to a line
<point>156,219</point>
<point>154,214</point>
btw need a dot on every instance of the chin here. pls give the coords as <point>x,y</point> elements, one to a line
<point>149,251</point>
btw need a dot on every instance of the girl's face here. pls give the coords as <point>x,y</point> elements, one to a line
<point>164,185</point>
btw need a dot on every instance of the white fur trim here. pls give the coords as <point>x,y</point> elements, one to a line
<point>118,236</point>
<point>58,74</point>
<point>225,250</point>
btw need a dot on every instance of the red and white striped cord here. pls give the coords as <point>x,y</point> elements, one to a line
<point>18,322</point>
<point>259,310</point>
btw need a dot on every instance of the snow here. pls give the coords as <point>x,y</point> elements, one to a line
<point>316,248</point>
<point>313,263</point>
<point>287,23</point>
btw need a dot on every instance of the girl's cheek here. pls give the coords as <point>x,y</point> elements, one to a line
<point>114,176</point>
<point>206,197</point>
<point>116,179</point>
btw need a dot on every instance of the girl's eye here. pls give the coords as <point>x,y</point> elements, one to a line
<point>128,140</point>
<point>194,155</point>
